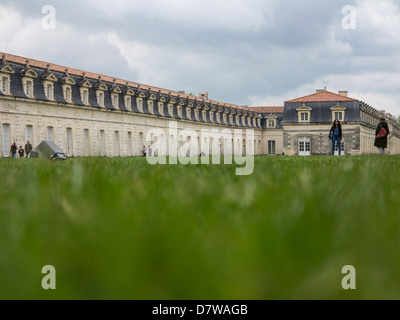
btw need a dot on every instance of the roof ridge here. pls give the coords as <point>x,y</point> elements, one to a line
<point>325,92</point>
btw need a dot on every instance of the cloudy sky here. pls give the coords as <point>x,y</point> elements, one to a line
<point>247,52</point>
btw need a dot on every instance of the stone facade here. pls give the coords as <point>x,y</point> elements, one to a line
<point>91,115</point>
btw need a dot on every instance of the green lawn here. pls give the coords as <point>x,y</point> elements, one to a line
<point>123,229</point>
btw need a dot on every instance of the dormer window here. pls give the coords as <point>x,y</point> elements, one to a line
<point>170,110</point>
<point>211,113</point>
<point>85,95</point>
<point>204,115</point>
<point>48,83</point>
<point>67,82</point>
<point>224,117</point>
<point>28,74</point>
<point>49,92</point>
<point>237,120</point>
<point>115,100</point>
<point>231,119</point>
<point>150,106</point>
<point>188,112</point>
<point>196,114</point>
<point>100,99</point>
<point>338,112</point>
<point>139,103</point>
<point>85,85</point>
<point>218,117</point>
<point>128,102</point>
<point>100,87</point>
<point>5,71</point>
<point>160,108</point>
<point>68,94</point>
<point>29,88</point>
<point>180,111</point>
<point>4,85</point>
<point>304,114</point>
<point>115,91</point>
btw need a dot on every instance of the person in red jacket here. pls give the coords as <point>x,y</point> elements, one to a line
<point>381,142</point>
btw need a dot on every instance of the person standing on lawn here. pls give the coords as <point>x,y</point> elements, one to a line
<point>336,135</point>
<point>381,138</point>
<point>21,152</point>
<point>28,148</point>
<point>13,150</point>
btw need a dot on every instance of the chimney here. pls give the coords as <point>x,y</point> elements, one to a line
<point>320,90</point>
<point>203,95</point>
<point>344,93</point>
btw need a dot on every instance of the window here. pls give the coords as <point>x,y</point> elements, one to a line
<point>50,134</point>
<point>304,113</point>
<point>161,108</point>
<point>304,146</point>
<point>29,133</point>
<point>196,114</point>
<point>69,142</point>
<point>304,116</point>
<point>271,147</point>
<point>85,97</point>
<point>224,118</point>
<point>204,115</point>
<point>218,117</point>
<point>128,102</point>
<point>139,103</point>
<point>170,110</point>
<point>339,115</point>
<point>140,142</point>
<point>4,85</point>
<point>68,95</point>
<point>86,142</point>
<point>115,101</point>
<point>28,88</point>
<point>6,139</point>
<point>49,90</point>
<point>100,99</point>
<point>180,111</point>
<point>338,112</point>
<point>102,140</point>
<point>130,153</point>
<point>116,143</point>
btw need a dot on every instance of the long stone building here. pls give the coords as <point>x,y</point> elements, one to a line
<point>92,115</point>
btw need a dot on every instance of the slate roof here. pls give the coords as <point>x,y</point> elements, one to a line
<point>91,75</point>
<point>323,96</point>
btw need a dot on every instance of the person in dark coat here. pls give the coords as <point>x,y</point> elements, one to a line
<point>336,135</point>
<point>13,150</point>
<point>28,148</point>
<point>381,143</point>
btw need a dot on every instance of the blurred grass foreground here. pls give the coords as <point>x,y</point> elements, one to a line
<point>122,229</point>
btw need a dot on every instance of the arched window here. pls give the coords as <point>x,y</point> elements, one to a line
<point>68,94</point>
<point>4,85</point>
<point>49,91</point>
<point>28,88</point>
